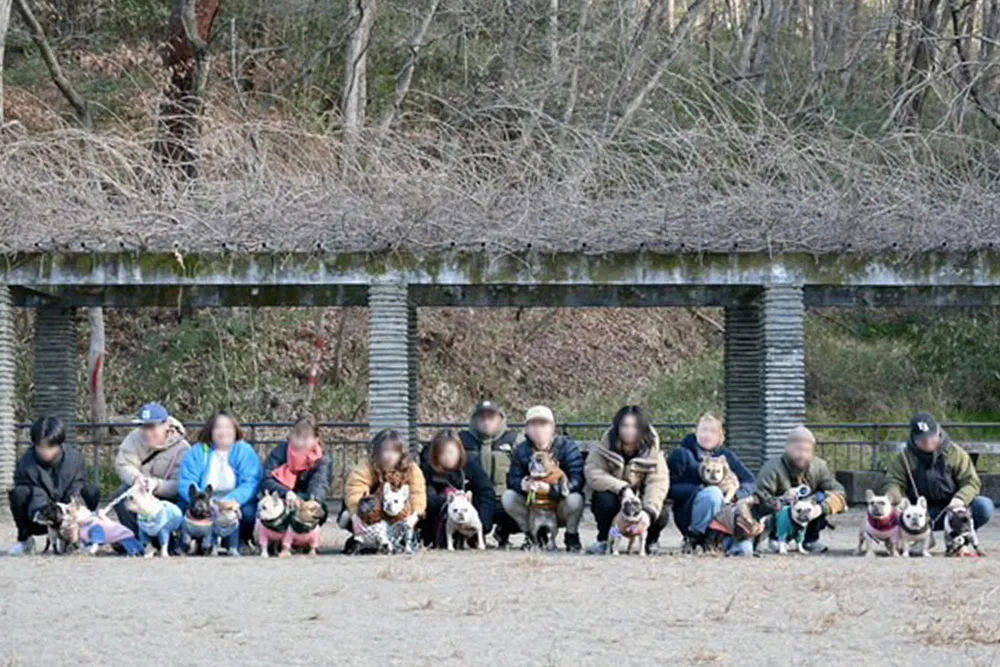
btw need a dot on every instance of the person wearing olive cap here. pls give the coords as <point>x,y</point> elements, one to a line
<point>799,466</point>
<point>929,464</point>
<point>540,435</point>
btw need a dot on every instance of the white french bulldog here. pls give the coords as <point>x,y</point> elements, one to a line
<point>463,518</point>
<point>915,527</point>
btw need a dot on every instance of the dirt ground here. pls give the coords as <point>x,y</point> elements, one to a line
<point>504,608</point>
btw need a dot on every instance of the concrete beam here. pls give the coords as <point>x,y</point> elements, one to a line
<point>980,269</point>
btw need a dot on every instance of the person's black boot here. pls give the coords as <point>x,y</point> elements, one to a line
<point>351,546</point>
<point>573,543</point>
<point>502,537</point>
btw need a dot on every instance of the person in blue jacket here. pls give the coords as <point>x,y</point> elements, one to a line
<point>226,461</point>
<point>695,505</point>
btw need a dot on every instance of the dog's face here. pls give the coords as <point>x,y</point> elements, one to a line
<point>632,509</point>
<point>309,512</point>
<point>52,515</point>
<point>142,500</point>
<point>76,511</point>
<point>802,510</point>
<point>541,465</point>
<point>713,470</point>
<point>394,501</point>
<point>370,509</point>
<point>271,506</point>
<point>201,502</point>
<point>460,509</point>
<point>914,517</point>
<point>960,521</point>
<point>227,512</point>
<point>879,507</point>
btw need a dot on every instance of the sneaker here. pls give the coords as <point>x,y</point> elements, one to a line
<point>598,549</point>
<point>573,544</point>
<point>816,547</point>
<point>25,548</point>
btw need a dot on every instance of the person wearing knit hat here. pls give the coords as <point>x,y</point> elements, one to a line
<point>799,466</point>
<point>931,466</point>
<point>540,435</point>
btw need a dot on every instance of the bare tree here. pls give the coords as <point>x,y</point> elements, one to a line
<point>95,385</point>
<point>5,6</point>
<point>405,76</point>
<point>185,56</point>
<point>355,96</point>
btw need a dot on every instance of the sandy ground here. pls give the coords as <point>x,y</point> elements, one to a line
<point>503,608</point>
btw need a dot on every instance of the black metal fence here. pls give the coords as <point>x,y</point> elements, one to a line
<point>864,446</point>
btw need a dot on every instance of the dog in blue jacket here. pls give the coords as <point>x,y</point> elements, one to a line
<point>156,518</point>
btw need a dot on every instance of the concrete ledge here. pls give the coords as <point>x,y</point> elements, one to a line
<point>991,485</point>
<point>856,482</point>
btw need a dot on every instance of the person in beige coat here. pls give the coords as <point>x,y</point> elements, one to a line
<point>628,460</point>
<point>155,451</point>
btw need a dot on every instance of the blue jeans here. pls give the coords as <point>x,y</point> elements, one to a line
<point>741,548</point>
<point>706,504</point>
<point>982,509</point>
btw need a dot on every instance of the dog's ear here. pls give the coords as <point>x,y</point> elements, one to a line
<point>468,496</point>
<point>405,490</point>
<point>193,491</point>
<point>903,505</point>
<point>922,502</point>
<point>869,495</point>
<point>386,489</point>
<point>208,491</point>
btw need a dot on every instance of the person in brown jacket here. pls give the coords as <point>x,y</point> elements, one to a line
<point>628,460</point>
<point>389,461</point>
<point>154,451</point>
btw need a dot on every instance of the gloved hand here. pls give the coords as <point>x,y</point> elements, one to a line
<point>627,492</point>
<point>412,520</point>
<point>956,503</point>
<point>817,512</point>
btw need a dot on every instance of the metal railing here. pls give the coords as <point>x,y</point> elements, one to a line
<point>846,446</point>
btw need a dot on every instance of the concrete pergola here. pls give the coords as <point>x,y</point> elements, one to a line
<point>764,296</point>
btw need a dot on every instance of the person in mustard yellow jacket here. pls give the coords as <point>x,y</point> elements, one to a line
<point>389,461</point>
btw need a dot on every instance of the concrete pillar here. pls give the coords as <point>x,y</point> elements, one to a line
<point>8,434</point>
<point>765,372</point>
<point>57,351</point>
<point>394,359</point>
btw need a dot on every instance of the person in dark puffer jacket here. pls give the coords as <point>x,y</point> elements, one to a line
<point>540,434</point>
<point>449,469</point>
<point>489,441</point>
<point>300,466</point>
<point>695,505</point>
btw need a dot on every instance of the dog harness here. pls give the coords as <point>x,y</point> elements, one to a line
<point>886,528</point>
<point>546,501</point>
<point>786,528</point>
<point>105,531</point>
<point>279,523</point>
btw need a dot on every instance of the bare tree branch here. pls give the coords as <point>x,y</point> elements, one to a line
<point>405,76</point>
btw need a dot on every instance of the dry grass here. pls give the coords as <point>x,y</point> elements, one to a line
<point>704,656</point>
<point>719,184</point>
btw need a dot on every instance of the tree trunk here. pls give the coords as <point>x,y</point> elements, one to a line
<point>355,96</point>
<point>5,6</point>
<point>405,77</point>
<point>917,83</point>
<point>185,56</point>
<point>95,384</point>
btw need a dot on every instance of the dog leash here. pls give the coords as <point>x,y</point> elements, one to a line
<point>909,472</point>
<point>121,496</point>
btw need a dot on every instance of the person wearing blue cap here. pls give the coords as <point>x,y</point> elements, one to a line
<point>155,450</point>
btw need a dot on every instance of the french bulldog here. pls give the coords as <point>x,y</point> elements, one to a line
<point>715,471</point>
<point>198,529</point>
<point>396,509</point>
<point>543,522</point>
<point>960,537</point>
<point>463,520</point>
<point>62,535</point>
<point>273,517</point>
<point>791,522</point>
<point>303,528</point>
<point>631,523</point>
<point>914,527</point>
<point>369,527</point>
<point>226,517</point>
<point>881,526</point>
<point>156,518</point>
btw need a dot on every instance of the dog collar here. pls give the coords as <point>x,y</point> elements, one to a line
<point>909,531</point>
<point>888,523</point>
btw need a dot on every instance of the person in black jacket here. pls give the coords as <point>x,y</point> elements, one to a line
<point>449,469</point>
<point>50,471</point>
<point>300,465</point>
<point>491,443</point>
<point>540,434</point>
